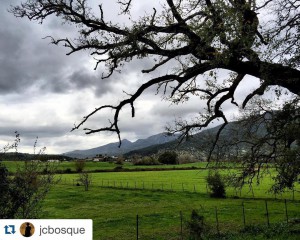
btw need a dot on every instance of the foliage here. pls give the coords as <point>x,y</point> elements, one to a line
<point>216,185</point>
<point>4,193</point>
<point>196,226</point>
<point>146,161</point>
<point>168,158</point>
<point>24,191</point>
<point>186,158</point>
<point>269,139</point>
<point>79,165</point>
<point>120,160</point>
<point>85,179</point>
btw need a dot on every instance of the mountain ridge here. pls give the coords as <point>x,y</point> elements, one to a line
<point>113,149</point>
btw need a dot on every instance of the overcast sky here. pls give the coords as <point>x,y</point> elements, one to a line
<point>44,93</point>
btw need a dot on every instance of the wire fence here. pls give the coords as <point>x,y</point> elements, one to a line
<point>261,191</point>
<point>218,219</point>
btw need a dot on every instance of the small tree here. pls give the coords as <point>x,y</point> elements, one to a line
<point>21,194</point>
<point>168,158</point>
<point>29,188</point>
<point>79,165</point>
<point>85,179</point>
<point>216,185</point>
<point>4,193</point>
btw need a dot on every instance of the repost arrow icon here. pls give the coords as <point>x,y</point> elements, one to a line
<point>10,229</point>
<point>6,230</point>
<point>13,229</point>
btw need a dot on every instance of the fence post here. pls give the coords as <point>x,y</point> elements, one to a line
<point>244,217</point>
<point>267,213</point>
<point>217,220</point>
<point>181,225</point>
<point>137,226</point>
<point>286,212</point>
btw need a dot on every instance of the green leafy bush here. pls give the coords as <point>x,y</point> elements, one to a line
<point>216,184</point>
<point>196,226</point>
<point>168,158</point>
<point>146,161</point>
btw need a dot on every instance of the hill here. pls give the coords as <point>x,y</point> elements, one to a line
<point>113,149</point>
<point>200,143</point>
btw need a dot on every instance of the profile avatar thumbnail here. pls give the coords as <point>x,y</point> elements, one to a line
<point>27,229</point>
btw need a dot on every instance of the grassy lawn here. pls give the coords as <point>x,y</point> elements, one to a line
<point>160,198</point>
<point>114,208</point>
<point>179,180</point>
<point>94,166</point>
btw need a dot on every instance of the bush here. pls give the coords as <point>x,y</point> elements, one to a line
<point>168,158</point>
<point>79,165</point>
<point>216,185</point>
<point>146,161</point>
<point>120,161</point>
<point>196,226</point>
<point>85,179</point>
<point>68,170</point>
<point>186,158</point>
<point>118,168</point>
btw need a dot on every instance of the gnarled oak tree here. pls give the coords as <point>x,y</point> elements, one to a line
<point>198,37</point>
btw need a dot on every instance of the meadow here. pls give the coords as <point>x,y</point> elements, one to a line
<point>163,201</point>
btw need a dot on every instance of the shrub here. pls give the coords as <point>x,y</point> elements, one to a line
<point>186,158</point>
<point>118,168</point>
<point>146,161</point>
<point>216,185</point>
<point>85,179</point>
<point>120,161</point>
<point>79,165</point>
<point>68,170</point>
<point>168,158</point>
<point>196,226</point>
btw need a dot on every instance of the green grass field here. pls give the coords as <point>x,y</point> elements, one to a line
<point>94,166</point>
<point>115,198</point>
<point>158,197</point>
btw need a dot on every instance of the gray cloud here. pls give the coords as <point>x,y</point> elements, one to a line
<point>34,131</point>
<point>27,60</point>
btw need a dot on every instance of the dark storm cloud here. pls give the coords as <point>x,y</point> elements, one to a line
<point>28,61</point>
<point>85,79</point>
<point>31,132</point>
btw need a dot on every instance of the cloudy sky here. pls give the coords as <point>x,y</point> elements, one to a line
<point>44,93</point>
